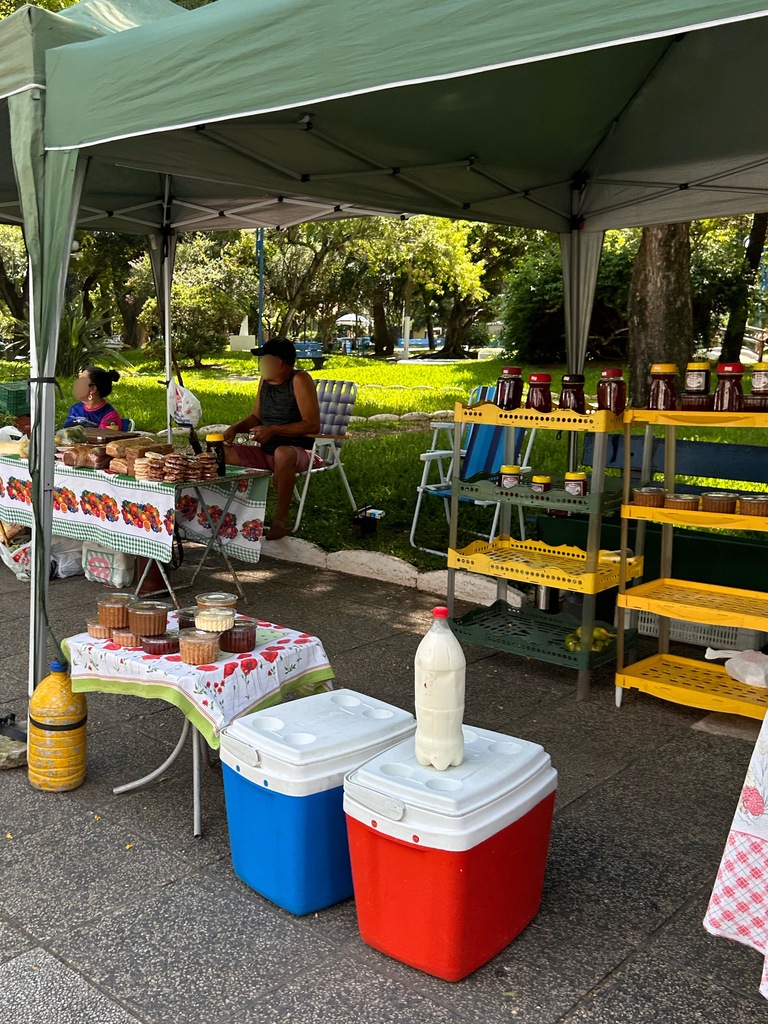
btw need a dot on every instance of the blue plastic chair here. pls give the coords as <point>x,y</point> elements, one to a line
<point>483,456</point>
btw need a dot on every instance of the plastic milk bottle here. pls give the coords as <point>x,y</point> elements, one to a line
<point>440,674</point>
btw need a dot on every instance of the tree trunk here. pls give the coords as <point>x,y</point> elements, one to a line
<point>383,342</point>
<point>430,331</point>
<point>456,326</point>
<point>738,313</point>
<point>133,334</point>
<point>659,308</point>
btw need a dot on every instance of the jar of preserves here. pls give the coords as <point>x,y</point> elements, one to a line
<point>166,643</point>
<point>214,443</point>
<point>612,391</point>
<point>113,610</point>
<point>539,392</point>
<point>509,476</point>
<point>692,402</point>
<point>649,497</point>
<point>98,630</point>
<point>729,395</point>
<point>216,599</point>
<point>125,638</point>
<point>509,388</point>
<point>760,379</point>
<point>186,617</point>
<point>197,647</point>
<point>214,620</point>
<point>576,484</point>
<point>682,502</point>
<point>540,484</point>
<point>753,504</point>
<point>572,393</point>
<point>663,393</point>
<point>241,638</point>
<point>719,501</point>
<point>698,376</point>
<point>147,618</point>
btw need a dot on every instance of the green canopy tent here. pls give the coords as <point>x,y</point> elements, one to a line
<point>52,196</point>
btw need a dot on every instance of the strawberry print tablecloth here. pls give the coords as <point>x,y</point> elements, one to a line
<point>211,696</point>
<point>738,907</point>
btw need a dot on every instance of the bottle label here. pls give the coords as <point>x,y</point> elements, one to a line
<point>574,487</point>
<point>538,488</point>
<point>695,380</point>
<point>510,480</point>
<point>760,380</point>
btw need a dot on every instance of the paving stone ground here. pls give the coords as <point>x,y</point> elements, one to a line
<point>112,913</point>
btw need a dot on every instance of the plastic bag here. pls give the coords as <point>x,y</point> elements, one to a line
<point>184,407</point>
<point>103,565</point>
<point>16,557</point>
<point>750,667</point>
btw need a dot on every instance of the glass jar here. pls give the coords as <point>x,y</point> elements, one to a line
<point>760,379</point>
<point>147,618</point>
<point>509,476</point>
<point>241,638</point>
<point>663,393</point>
<point>214,620</point>
<point>540,484</point>
<point>216,599</point>
<point>576,484</point>
<point>214,443</point>
<point>612,391</point>
<point>729,395</point>
<point>572,393</point>
<point>539,392</point>
<point>754,403</point>
<point>509,388</point>
<point>698,376</point>
<point>197,647</point>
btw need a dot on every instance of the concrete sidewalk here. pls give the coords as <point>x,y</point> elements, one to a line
<point>112,913</point>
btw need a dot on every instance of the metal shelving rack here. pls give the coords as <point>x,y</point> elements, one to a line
<point>686,681</point>
<point>527,631</point>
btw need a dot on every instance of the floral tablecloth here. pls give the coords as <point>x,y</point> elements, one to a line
<point>738,907</point>
<point>214,695</point>
<point>138,516</point>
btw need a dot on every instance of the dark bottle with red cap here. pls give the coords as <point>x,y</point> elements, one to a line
<point>612,391</point>
<point>509,388</point>
<point>572,393</point>
<point>729,396</point>
<point>539,392</point>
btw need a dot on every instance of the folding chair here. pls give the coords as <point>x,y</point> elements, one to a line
<point>336,399</point>
<point>483,455</point>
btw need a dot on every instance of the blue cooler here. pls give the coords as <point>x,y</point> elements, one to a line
<point>284,774</point>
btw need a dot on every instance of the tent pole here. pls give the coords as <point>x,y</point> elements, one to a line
<point>167,333</point>
<point>260,253</point>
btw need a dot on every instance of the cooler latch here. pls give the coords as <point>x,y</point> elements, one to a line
<point>243,751</point>
<point>374,801</point>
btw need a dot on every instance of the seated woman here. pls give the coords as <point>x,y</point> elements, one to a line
<point>92,409</point>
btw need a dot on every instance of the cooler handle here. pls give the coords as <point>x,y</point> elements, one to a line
<point>374,801</point>
<point>243,751</point>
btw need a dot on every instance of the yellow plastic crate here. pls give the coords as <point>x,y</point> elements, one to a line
<point>598,421</point>
<point>699,602</point>
<point>533,561</point>
<point>711,520</point>
<point>675,418</point>
<point>696,684</point>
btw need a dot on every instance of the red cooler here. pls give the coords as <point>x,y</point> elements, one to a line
<point>448,867</point>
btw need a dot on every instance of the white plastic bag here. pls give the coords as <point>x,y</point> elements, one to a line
<point>111,568</point>
<point>750,667</point>
<point>16,557</point>
<point>66,557</point>
<point>184,407</point>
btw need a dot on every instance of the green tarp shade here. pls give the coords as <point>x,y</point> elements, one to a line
<point>486,110</point>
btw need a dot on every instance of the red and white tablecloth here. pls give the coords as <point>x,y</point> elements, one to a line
<point>738,907</point>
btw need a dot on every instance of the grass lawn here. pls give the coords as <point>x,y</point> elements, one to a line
<point>383,463</point>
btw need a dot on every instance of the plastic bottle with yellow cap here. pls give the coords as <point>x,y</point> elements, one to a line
<point>215,443</point>
<point>56,751</point>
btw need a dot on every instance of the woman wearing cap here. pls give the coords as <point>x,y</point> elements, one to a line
<point>284,417</point>
<point>91,389</point>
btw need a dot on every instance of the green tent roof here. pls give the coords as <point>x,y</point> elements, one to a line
<point>490,110</point>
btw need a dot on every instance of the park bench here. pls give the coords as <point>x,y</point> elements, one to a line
<point>311,350</point>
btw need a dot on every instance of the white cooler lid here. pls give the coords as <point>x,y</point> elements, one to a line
<point>327,735</point>
<point>500,780</point>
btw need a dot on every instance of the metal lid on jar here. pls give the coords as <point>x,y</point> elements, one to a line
<point>214,437</point>
<point>540,378</point>
<point>509,469</point>
<point>541,479</point>
<point>698,366</point>
<point>759,367</point>
<point>575,476</point>
<point>664,368</point>
<point>611,371</point>
<point>573,378</point>
<point>512,371</point>
<point>730,368</point>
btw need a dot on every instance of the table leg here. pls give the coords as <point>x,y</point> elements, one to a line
<point>166,581</point>
<point>214,542</point>
<point>127,786</point>
<point>197,739</point>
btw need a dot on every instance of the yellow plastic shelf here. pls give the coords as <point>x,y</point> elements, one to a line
<point>598,421</point>
<point>713,520</point>
<point>532,561</point>
<point>697,684</point>
<point>699,602</point>
<point>696,419</point>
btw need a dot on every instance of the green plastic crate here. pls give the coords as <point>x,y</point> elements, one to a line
<point>14,398</point>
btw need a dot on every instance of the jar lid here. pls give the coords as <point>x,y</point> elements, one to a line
<point>217,598</point>
<point>613,371</point>
<point>650,490</point>
<point>698,366</point>
<point>541,479</point>
<point>214,437</point>
<point>719,494</point>
<point>573,378</point>
<point>730,368</point>
<point>116,600</point>
<point>664,368</point>
<point>750,497</point>
<point>197,636</point>
<point>147,606</point>
<point>515,371</point>
<point>682,497</point>
<point>540,378</point>
<point>575,476</point>
<point>759,366</point>
<point>509,469</point>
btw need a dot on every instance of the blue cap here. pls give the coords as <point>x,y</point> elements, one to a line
<point>58,666</point>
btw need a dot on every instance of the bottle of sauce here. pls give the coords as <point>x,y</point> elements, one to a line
<point>440,671</point>
<point>509,388</point>
<point>663,393</point>
<point>572,393</point>
<point>215,443</point>
<point>539,392</point>
<point>757,401</point>
<point>612,391</point>
<point>56,741</point>
<point>729,396</point>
